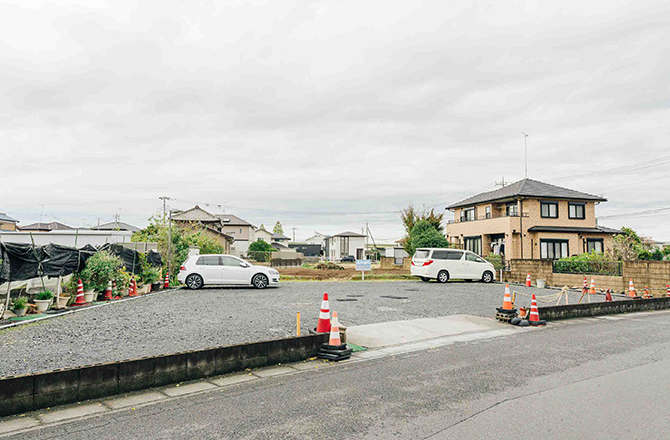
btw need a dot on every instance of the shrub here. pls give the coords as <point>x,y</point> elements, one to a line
<point>424,234</point>
<point>102,267</point>
<point>20,303</point>
<point>46,295</point>
<point>150,275</point>
<point>328,265</point>
<point>496,260</point>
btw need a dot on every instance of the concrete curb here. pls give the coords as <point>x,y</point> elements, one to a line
<point>554,313</point>
<point>19,394</point>
<point>77,310</point>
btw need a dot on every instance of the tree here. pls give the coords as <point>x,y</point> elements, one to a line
<point>628,246</point>
<point>410,216</point>
<point>262,226</point>
<point>259,250</point>
<point>424,234</point>
<point>278,229</point>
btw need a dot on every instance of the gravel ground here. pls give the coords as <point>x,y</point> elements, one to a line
<point>187,320</point>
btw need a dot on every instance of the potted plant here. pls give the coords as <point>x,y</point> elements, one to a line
<point>43,300</point>
<point>90,295</point>
<point>151,278</point>
<point>20,306</point>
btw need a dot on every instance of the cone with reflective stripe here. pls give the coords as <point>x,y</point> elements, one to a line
<point>631,289</point>
<point>132,289</point>
<point>534,317</point>
<point>108,292</point>
<point>167,281</point>
<point>667,289</point>
<point>335,331</point>
<point>528,280</point>
<point>324,316</point>
<point>646,295</point>
<point>507,299</point>
<point>586,284</point>
<point>592,290</point>
<point>80,295</point>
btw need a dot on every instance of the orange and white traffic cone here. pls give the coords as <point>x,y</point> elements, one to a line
<point>534,318</point>
<point>528,280</point>
<point>335,332</point>
<point>80,295</point>
<point>323,325</point>
<point>667,289</point>
<point>646,295</point>
<point>631,289</point>
<point>592,290</point>
<point>132,289</point>
<point>166,285</point>
<point>108,292</point>
<point>507,299</point>
<point>608,295</point>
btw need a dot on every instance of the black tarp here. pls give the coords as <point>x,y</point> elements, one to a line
<point>154,259</point>
<point>23,261</point>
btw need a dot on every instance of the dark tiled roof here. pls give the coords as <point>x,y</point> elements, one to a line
<point>349,234</point>
<point>53,226</point>
<point>5,218</point>
<point>597,230</point>
<point>116,226</point>
<point>280,237</point>
<point>233,220</point>
<point>527,188</point>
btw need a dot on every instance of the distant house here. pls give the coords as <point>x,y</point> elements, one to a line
<point>240,229</point>
<point>262,234</point>
<point>345,244</point>
<point>281,239</point>
<point>197,217</point>
<point>7,223</point>
<point>307,249</point>
<point>317,238</point>
<point>46,227</point>
<point>116,226</point>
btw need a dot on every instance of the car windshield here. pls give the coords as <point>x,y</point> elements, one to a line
<point>421,254</point>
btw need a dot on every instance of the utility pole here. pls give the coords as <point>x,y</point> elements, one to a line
<point>170,244</point>
<point>367,234</point>
<point>525,143</point>
<point>294,229</point>
<point>164,199</point>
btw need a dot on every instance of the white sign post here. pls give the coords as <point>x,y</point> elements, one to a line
<point>363,265</point>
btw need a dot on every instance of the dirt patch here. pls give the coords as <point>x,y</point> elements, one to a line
<point>346,274</point>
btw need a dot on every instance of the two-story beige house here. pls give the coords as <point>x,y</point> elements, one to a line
<point>529,219</point>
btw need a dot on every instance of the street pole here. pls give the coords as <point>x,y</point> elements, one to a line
<point>170,244</point>
<point>525,144</point>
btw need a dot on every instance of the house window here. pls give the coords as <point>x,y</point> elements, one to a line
<point>467,214</point>
<point>512,210</point>
<point>576,211</point>
<point>474,244</point>
<point>549,209</point>
<point>594,245</point>
<point>344,246</point>
<point>488,212</point>
<point>553,249</point>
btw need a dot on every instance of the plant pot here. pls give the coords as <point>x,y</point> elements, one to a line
<point>62,301</point>
<point>541,283</point>
<point>21,312</point>
<point>41,305</point>
<point>155,287</point>
<point>90,295</point>
<point>145,289</point>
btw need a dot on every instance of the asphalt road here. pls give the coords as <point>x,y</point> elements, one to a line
<point>586,379</point>
<point>187,320</point>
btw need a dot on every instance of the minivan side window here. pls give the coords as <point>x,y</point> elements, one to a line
<point>421,253</point>
<point>208,260</point>
<point>454,255</point>
<point>440,255</point>
<point>472,257</point>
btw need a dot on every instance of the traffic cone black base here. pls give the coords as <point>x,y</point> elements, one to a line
<point>334,352</point>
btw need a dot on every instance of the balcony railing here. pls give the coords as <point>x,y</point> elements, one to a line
<point>486,217</point>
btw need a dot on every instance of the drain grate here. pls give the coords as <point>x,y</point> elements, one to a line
<point>346,299</point>
<point>394,297</point>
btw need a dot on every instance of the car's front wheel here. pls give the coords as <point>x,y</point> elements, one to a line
<point>259,281</point>
<point>487,277</point>
<point>443,276</point>
<point>194,281</point>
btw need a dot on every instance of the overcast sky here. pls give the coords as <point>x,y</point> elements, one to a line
<point>326,115</point>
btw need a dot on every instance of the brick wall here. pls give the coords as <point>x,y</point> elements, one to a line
<point>389,263</point>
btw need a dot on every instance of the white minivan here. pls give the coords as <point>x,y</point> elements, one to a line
<point>445,264</point>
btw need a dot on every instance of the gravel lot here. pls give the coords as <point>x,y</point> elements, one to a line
<point>186,320</point>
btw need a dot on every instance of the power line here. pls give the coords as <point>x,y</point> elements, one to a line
<point>622,169</point>
<point>635,214</point>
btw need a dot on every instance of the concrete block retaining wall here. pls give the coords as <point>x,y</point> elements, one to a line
<point>654,274</point>
<point>30,392</point>
<point>555,313</point>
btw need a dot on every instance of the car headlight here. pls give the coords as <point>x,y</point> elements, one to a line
<point>274,272</point>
